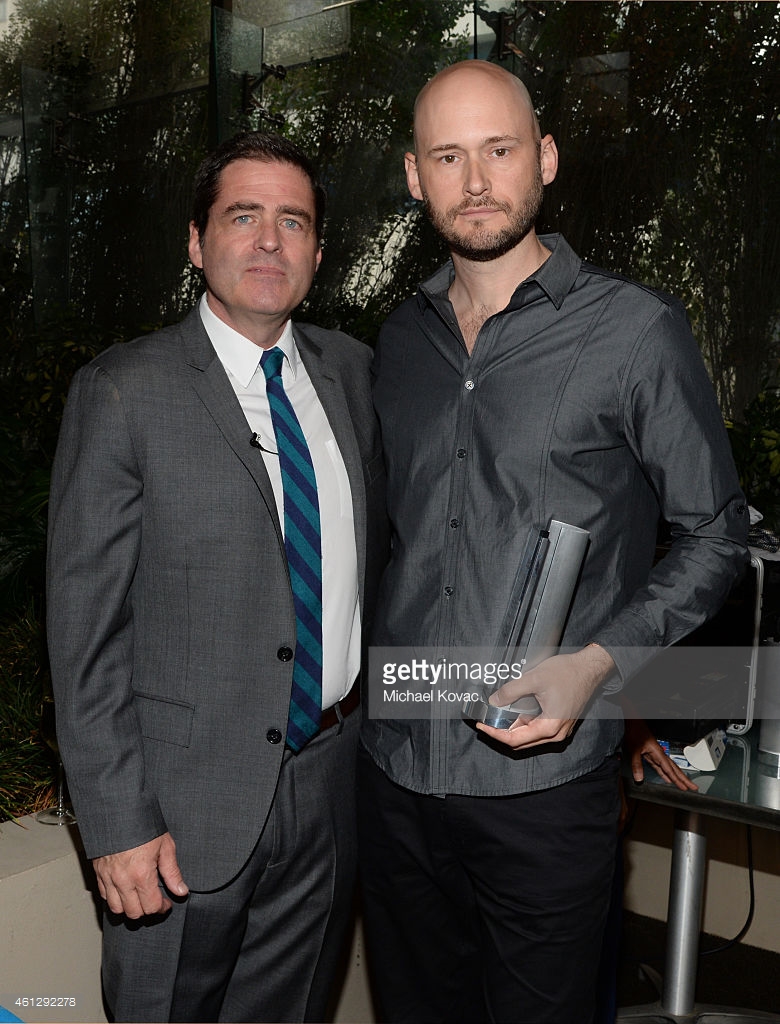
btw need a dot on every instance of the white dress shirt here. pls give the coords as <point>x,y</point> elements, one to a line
<point>340,608</point>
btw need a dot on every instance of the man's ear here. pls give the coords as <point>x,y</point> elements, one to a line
<point>193,247</point>
<point>412,177</point>
<point>548,158</point>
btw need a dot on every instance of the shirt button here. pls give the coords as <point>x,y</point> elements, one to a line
<point>454,523</point>
<point>273,736</point>
<point>284,654</point>
<point>461,453</point>
<point>449,591</point>
<point>469,385</point>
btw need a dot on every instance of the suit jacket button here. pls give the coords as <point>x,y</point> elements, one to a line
<point>273,736</point>
<point>284,654</point>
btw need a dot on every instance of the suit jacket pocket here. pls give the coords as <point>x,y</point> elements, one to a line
<point>374,468</point>
<point>162,719</point>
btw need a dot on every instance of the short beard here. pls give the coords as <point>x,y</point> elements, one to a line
<point>483,246</point>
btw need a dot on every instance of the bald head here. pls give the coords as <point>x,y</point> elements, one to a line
<point>480,164</point>
<point>474,82</point>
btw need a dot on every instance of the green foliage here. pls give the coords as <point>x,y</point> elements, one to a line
<point>653,180</point>
<point>755,442</point>
<point>35,372</point>
<point>112,98</point>
<point>27,766</point>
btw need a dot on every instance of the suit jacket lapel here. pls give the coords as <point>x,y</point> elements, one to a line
<point>214,389</point>
<point>330,390</point>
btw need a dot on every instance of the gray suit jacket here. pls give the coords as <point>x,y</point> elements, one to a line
<point>169,597</point>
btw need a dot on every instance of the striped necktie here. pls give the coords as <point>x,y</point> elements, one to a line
<point>302,542</point>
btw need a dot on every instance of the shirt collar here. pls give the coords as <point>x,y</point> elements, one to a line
<point>555,277</point>
<point>557,274</point>
<point>238,354</point>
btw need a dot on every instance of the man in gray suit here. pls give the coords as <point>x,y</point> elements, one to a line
<point>223,843</point>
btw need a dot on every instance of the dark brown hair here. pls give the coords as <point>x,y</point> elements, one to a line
<point>251,146</point>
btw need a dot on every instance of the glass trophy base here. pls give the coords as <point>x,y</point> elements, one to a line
<point>56,816</point>
<point>480,710</point>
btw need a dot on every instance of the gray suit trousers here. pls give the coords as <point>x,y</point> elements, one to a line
<point>266,946</point>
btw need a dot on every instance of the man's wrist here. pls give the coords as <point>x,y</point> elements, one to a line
<point>599,662</point>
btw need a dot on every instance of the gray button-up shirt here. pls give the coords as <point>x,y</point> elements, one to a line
<point>585,400</point>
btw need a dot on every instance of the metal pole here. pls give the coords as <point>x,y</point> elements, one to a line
<point>684,918</point>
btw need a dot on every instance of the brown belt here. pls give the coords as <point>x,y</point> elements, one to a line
<point>345,707</point>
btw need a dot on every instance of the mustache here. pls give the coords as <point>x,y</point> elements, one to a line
<point>484,203</point>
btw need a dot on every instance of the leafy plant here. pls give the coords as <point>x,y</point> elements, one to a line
<point>35,374</point>
<point>755,443</point>
<point>27,767</point>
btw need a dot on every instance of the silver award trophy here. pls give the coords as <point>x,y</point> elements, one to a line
<point>538,607</point>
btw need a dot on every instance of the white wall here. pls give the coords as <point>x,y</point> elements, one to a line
<point>727,896</point>
<point>49,932</point>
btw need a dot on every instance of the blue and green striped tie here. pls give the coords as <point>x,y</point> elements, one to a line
<point>302,541</point>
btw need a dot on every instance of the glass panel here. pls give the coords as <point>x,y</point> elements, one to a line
<point>299,31</point>
<point>109,174</point>
<point>48,135</point>
<point>316,37</point>
<point>251,47</point>
<point>238,69</point>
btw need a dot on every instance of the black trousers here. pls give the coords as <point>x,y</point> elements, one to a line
<point>486,908</point>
